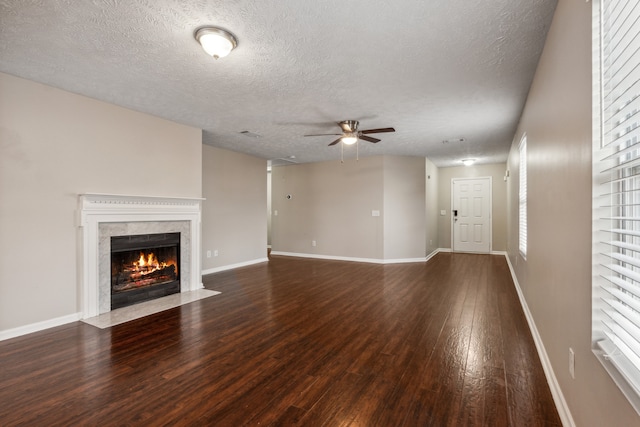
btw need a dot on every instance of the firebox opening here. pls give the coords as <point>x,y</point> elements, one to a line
<point>144,267</point>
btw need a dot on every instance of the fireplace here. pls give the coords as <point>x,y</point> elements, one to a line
<point>104,216</point>
<point>144,267</point>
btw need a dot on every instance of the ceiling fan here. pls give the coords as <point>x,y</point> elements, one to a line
<point>350,133</point>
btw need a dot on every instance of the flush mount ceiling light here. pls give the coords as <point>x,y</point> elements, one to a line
<point>468,162</point>
<point>216,41</point>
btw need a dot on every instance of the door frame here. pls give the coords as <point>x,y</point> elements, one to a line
<point>490,178</point>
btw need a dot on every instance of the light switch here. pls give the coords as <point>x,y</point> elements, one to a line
<point>375,213</point>
<point>443,212</point>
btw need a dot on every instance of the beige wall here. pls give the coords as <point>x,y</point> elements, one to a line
<point>498,195</point>
<point>332,203</point>
<point>403,210</point>
<point>234,219</point>
<point>556,276</point>
<point>431,206</point>
<point>55,145</point>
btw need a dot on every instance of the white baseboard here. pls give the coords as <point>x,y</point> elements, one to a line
<point>351,259</point>
<point>232,266</point>
<point>402,260</point>
<point>552,380</point>
<point>39,326</point>
<point>490,253</point>
<point>432,254</point>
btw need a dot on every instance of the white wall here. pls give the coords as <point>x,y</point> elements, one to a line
<point>55,145</point>
<point>498,195</point>
<point>234,214</point>
<point>555,278</point>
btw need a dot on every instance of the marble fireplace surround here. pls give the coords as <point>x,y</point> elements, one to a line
<point>106,215</point>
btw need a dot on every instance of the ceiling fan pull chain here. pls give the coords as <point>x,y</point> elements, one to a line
<point>342,153</point>
<point>357,152</point>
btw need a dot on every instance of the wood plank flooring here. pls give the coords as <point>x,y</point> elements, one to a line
<point>297,342</point>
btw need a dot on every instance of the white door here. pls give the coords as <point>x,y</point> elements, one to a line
<point>471,214</point>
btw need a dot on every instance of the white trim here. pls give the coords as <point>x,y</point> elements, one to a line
<point>432,254</point>
<point>402,260</point>
<point>351,259</point>
<point>556,391</point>
<point>523,201</point>
<point>39,326</point>
<point>232,266</point>
<point>445,250</point>
<point>499,253</point>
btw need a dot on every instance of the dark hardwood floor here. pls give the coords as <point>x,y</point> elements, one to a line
<point>297,342</point>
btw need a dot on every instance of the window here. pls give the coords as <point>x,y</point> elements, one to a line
<point>522,212</point>
<point>616,191</point>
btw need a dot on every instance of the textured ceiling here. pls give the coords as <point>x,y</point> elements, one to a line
<point>434,70</point>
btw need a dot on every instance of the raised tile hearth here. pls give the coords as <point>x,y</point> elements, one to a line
<point>133,312</point>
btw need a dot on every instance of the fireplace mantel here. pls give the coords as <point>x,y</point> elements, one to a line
<point>116,211</point>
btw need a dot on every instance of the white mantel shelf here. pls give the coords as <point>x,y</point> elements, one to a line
<point>119,202</point>
<point>97,209</point>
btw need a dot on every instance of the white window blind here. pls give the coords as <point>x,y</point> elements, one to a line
<point>616,169</point>
<point>522,212</point>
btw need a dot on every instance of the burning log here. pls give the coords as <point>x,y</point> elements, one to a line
<point>131,278</point>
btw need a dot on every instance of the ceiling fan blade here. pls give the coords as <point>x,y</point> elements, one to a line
<point>335,142</point>
<point>381,130</point>
<point>323,134</point>
<point>368,138</point>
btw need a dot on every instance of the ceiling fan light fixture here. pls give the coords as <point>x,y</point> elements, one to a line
<point>350,138</point>
<point>468,162</point>
<point>216,41</point>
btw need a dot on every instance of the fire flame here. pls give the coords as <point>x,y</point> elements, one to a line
<point>148,264</point>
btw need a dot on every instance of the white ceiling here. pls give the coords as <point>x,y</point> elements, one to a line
<point>435,70</point>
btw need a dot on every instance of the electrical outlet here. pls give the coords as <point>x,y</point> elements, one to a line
<point>430,242</point>
<point>572,363</point>
<point>208,254</point>
<point>313,243</point>
<point>215,253</point>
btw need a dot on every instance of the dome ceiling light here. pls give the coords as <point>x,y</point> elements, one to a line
<point>216,41</point>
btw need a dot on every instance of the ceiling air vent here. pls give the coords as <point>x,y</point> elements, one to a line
<point>454,140</point>
<point>249,134</point>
